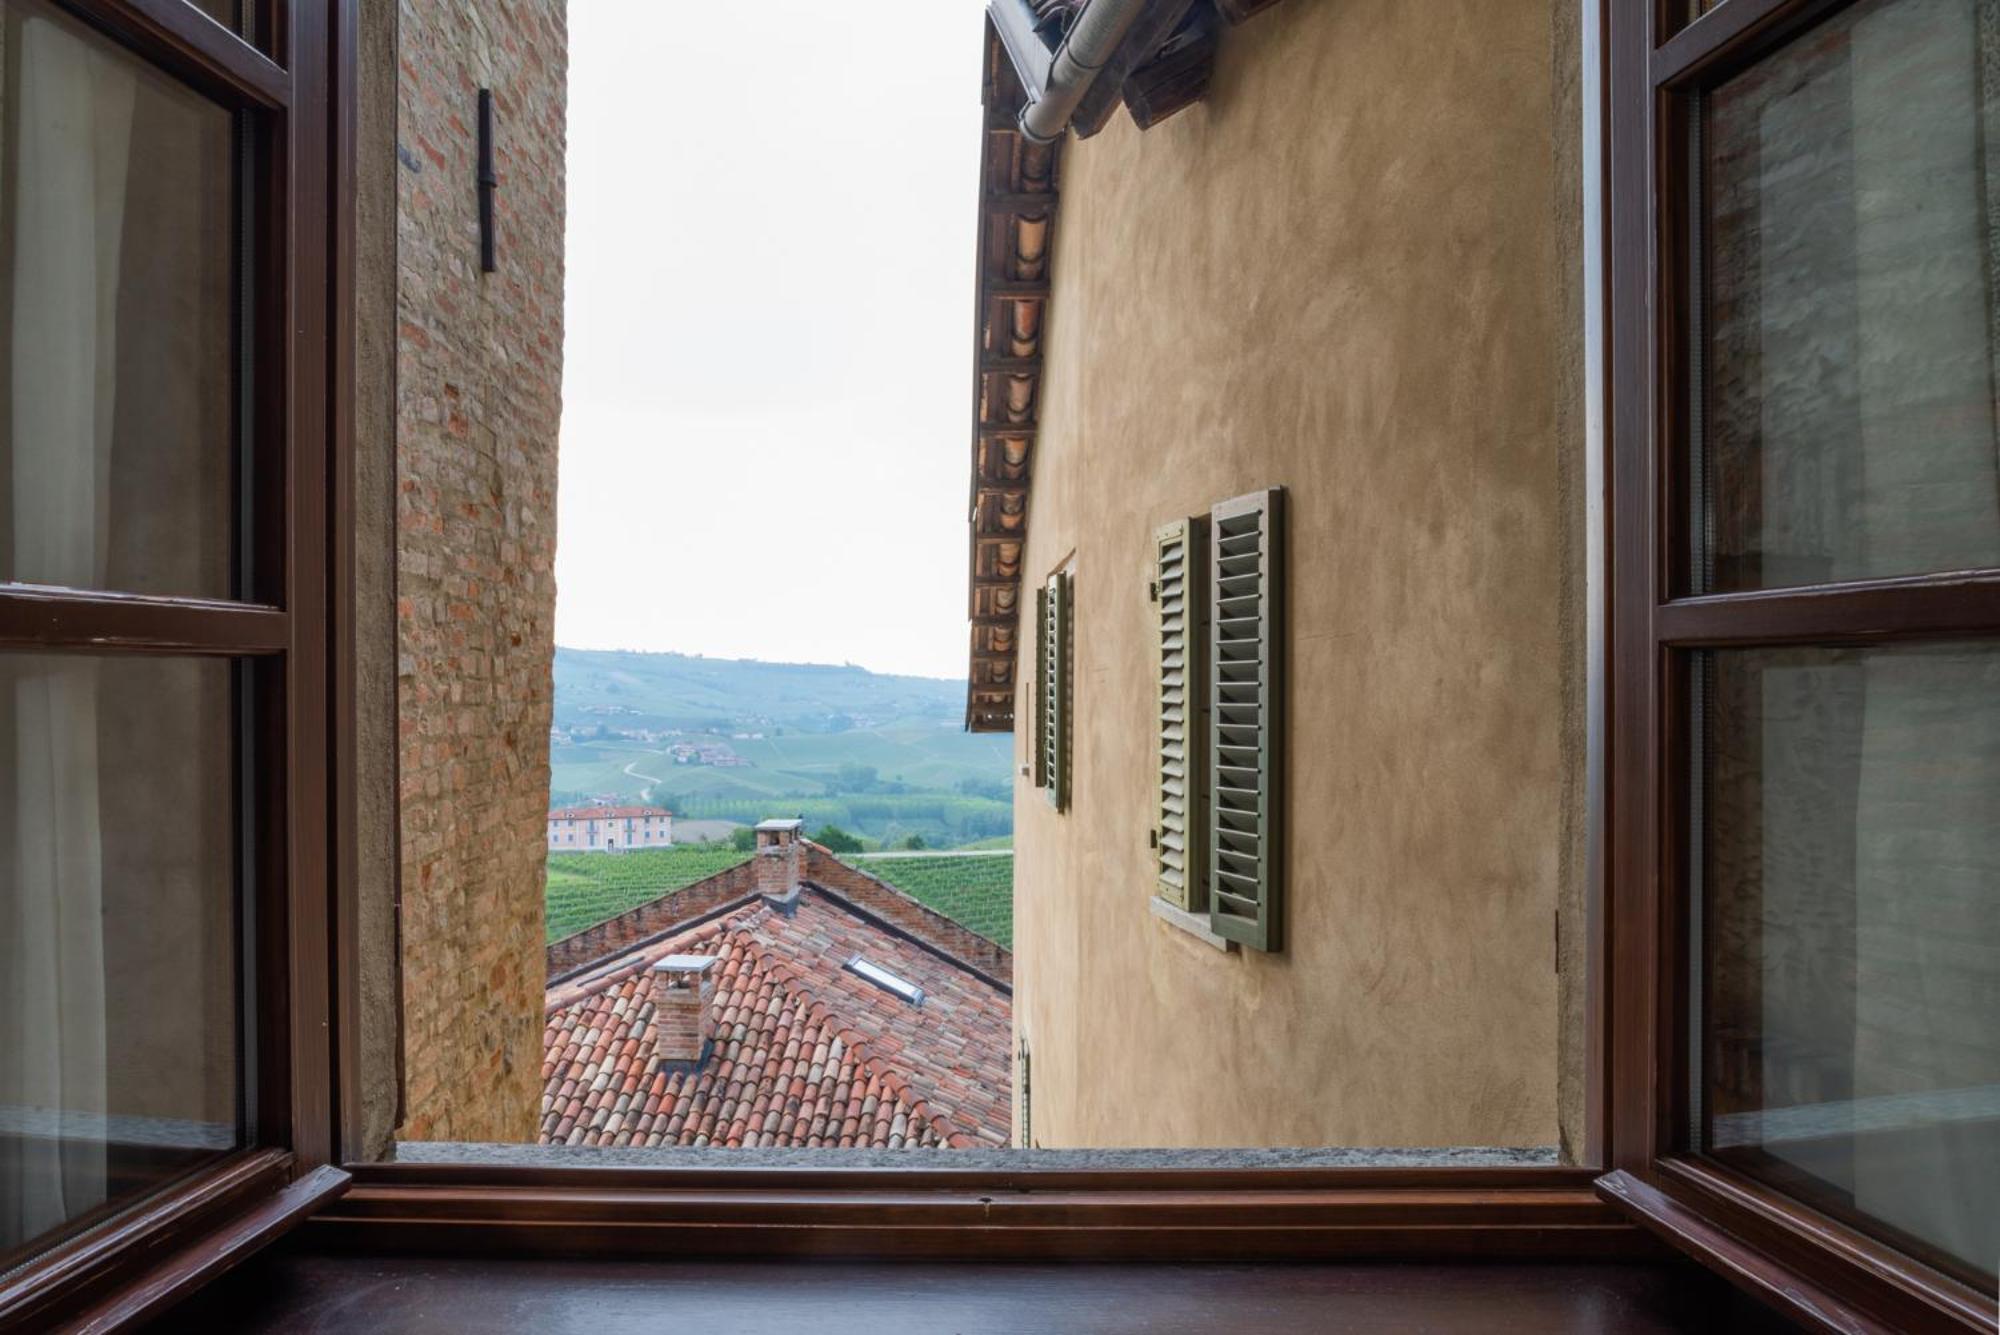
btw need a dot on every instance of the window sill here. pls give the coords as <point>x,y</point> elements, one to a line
<point>1194,924</point>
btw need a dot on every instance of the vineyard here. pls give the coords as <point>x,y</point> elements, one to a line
<point>587,888</point>
<point>975,892</point>
<point>944,819</point>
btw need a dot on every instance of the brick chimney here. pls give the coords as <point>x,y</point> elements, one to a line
<point>778,854</point>
<point>683,997</point>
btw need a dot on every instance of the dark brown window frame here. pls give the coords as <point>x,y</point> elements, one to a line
<point>1820,1271</point>
<point>294,632</point>
<point>1780,1251</point>
<point>1033,1211</point>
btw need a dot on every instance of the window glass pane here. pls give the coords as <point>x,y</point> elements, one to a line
<point>1850,928</point>
<point>119,954</point>
<point>116,209</point>
<point>226,12</point>
<point>1852,230</point>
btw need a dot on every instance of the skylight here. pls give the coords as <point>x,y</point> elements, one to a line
<point>887,981</point>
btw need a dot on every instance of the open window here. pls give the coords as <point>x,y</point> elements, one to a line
<point>165,739</point>
<point>1804,860</point>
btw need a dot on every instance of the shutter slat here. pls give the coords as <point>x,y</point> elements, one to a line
<point>1054,607</point>
<point>1180,567</point>
<point>1245,695</point>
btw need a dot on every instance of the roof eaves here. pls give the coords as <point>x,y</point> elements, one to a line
<point>1018,200</point>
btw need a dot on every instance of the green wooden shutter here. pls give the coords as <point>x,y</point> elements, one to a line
<point>1056,689</point>
<point>1039,739</point>
<point>1180,591</point>
<point>1246,725</point>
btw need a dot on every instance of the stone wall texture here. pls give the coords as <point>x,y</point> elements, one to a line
<point>478,402</point>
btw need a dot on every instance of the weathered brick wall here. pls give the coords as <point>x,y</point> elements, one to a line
<point>650,919</point>
<point>897,909</point>
<point>478,399</point>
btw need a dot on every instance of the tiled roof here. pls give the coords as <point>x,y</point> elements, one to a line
<point>1018,198</point>
<point>805,1052</point>
<point>606,813</point>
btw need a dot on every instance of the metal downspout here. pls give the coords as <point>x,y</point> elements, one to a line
<point>1088,46</point>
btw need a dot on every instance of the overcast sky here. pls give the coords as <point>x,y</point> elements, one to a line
<point>766,389</point>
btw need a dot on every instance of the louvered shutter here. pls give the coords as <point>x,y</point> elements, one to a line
<point>1056,689</point>
<point>1246,686</point>
<point>1180,591</point>
<point>1040,732</point>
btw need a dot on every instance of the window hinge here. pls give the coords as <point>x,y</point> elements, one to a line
<point>1152,591</point>
<point>1153,837</point>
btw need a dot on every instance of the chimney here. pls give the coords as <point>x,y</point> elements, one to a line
<point>683,994</point>
<point>778,854</point>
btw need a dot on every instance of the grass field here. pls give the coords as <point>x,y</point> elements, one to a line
<point>974,892</point>
<point>587,888</point>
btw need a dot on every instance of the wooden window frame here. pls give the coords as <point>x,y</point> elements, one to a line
<point>293,629</point>
<point>1814,1268</point>
<point>1819,1270</point>
<point>1036,1206</point>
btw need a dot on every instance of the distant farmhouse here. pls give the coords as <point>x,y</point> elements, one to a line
<point>609,829</point>
<point>716,754</point>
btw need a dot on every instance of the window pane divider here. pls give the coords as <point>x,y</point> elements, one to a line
<point>1734,29</point>
<point>1953,605</point>
<point>43,617</point>
<point>190,43</point>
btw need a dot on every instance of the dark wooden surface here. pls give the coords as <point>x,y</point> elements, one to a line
<point>1764,1240</point>
<point>317,1292</point>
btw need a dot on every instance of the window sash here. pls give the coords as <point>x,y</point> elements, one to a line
<point>1791,1255</point>
<point>291,632</point>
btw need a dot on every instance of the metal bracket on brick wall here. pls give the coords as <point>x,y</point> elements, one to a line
<point>488,179</point>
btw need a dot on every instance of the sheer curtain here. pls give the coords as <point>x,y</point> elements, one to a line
<point>72,113</point>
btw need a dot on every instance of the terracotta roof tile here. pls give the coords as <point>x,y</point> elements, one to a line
<point>805,1052</point>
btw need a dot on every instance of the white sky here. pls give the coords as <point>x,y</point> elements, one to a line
<point>768,332</point>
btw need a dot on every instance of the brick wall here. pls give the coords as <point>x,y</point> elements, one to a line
<point>815,865</point>
<point>897,909</point>
<point>478,399</point>
<point>650,919</point>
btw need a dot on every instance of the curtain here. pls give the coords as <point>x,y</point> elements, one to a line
<point>71,138</point>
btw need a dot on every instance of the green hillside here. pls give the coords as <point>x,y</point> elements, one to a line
<point>739,694</point>
<point>884,757</point>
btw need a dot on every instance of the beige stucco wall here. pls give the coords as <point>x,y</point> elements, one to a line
<point>1343,275</point>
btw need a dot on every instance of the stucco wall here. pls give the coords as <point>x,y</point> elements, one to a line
<point>478,399</point>
<point>1342,275</point>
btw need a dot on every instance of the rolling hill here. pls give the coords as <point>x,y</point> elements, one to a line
<point>883,756</point>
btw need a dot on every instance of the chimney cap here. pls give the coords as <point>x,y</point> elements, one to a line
<point>792,825</point>
<point>685,964</point>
